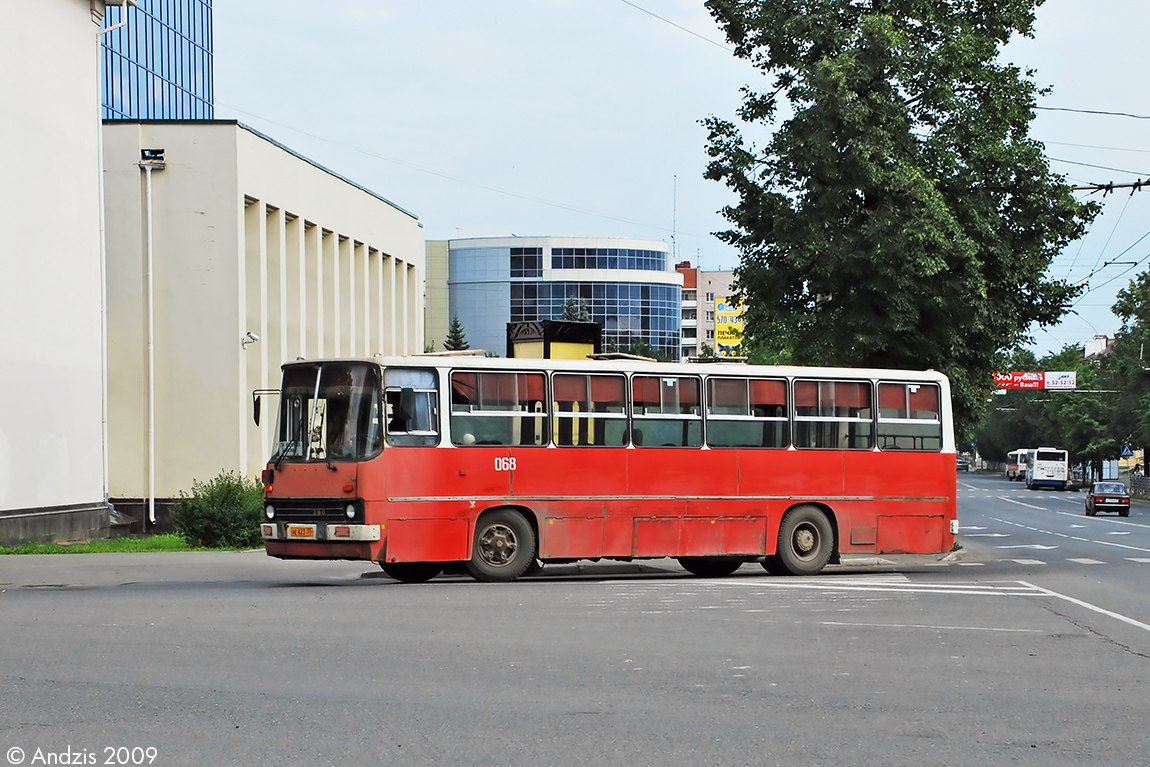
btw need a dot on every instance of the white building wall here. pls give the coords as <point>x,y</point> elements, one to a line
<point>51,453</point>
<point>248,237</point>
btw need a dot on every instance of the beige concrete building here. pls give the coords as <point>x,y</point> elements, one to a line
<point>51,371</point>
<point>437,304</point>
<point>258,256</point>
<point>701,290</point>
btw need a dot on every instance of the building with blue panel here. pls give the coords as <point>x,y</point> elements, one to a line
<point>630,287</point>
<point>158,65</point>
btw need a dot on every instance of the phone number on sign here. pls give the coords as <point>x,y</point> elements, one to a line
<point>105,755</point>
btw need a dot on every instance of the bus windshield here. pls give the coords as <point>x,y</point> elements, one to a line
<point>329,412</point>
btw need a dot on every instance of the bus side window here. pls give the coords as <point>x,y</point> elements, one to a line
<point>909,417</point>
<point>747,412</point>
<point>589,410</point>
<point>411,407</point>
<point>489,408</point>
<point>667,410</point>
<point>833,414</point>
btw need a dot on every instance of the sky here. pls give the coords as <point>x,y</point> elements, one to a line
<point>580,118</point>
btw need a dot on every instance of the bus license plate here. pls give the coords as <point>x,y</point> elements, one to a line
<point>301,531</point>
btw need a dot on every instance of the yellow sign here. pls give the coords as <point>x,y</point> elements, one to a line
<point>728,328</point>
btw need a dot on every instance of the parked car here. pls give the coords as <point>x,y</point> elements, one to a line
<point>961,464</point>
<point>1108,496</point>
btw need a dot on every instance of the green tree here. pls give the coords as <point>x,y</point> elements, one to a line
<point>902,216</point>
<point>575,311</point>
<point>456,339</point>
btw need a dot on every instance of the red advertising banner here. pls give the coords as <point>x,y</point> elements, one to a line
<point>1019,380</point>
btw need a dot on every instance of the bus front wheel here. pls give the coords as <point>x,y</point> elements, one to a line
<point>504,546</point>
<point>805,540</point>
<point>412,572</point>
<point>710,567</point>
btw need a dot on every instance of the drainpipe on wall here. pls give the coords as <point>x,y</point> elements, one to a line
<point>150,160</point>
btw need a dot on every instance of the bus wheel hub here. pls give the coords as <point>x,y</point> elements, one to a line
<point>804,540</point>
<point>497,545</point>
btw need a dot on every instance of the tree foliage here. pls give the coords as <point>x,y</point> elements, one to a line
<point>575,310</point>
<point>901,216</point>
<point>456,339</point>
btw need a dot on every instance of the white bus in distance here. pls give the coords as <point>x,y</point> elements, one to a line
<point>1016,464</point>
<point>1047,467</point>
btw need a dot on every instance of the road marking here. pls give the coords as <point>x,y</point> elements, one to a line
<point>1027,561</point>
<point>1121,546</point>
<point>928,626</point>
<point>1085,561</point>
<point>971,564</point>
<point>1020,503</point>
<point>1109,520</point>
<point>988,535</point>
<point>1139,560</point>
<point>1038,546</point>
<point>822,584</point>
<point>1120,532</point>
<point>1088,606</point>
<point>970,527</point>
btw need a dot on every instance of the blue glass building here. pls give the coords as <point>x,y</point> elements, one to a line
<point>628,286</point>
<point>158,66</point>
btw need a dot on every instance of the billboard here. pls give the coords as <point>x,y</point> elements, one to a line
<point>728,328</point>
<point>1035,380</point>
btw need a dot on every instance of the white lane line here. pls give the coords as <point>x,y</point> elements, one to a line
<point>1028,561</point>
<point>986,535</point>
<point>1088,606</point>
<point>1085,561</point>
<point>1139,560</point>
<point>1120,532</point>
<point>971,564</point>
<point>1039,546</point>
<point>928,626</point>
<point>1121,546</point>
<point>926,588</point>
<point>1020,503</point>
<point>1109,520</point>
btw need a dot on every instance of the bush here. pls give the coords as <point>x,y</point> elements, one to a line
<point>224,513</point>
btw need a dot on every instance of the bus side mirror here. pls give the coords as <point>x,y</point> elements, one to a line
<point>257,399</point>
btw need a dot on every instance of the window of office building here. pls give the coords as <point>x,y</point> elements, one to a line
<point>527,262</point>
<point>627,311</point>
<point>609,258</point>
<point>158,66</point>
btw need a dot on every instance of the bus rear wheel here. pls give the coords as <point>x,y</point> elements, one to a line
<point>805,540</point>
<point>710,567</point>
<point>504,547</point>
<point>412,572</point>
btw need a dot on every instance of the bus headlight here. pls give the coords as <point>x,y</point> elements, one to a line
<point>350,511</point>
<point>270,511</point>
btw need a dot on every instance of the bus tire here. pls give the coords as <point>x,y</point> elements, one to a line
<point>806,540</point>
<point>710,567</point>
<point>412,572</point>
<point>503,548</point>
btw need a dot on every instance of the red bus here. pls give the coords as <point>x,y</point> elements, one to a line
<point>501,465</point>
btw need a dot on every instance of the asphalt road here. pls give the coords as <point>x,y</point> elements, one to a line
<point>1011,656</point>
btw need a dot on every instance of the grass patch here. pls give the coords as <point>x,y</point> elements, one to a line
<point>170,542</point>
